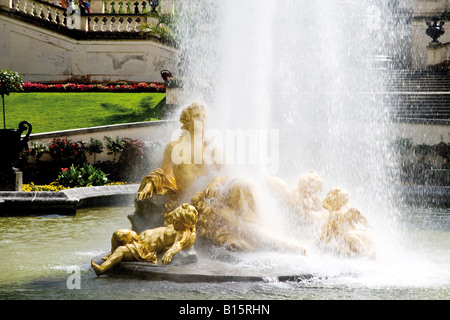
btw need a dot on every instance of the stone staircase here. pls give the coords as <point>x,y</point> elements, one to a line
<point>419,96</point>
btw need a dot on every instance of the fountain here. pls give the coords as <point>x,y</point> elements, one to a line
<point>291,95</point>
<point>289,128</point>
<point>227,211</point>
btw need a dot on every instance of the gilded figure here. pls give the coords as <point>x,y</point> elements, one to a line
<point>127,245</point>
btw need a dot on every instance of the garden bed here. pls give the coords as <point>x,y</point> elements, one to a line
<point>80,87</point>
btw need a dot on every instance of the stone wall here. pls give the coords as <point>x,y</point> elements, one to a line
<point>41,55</point>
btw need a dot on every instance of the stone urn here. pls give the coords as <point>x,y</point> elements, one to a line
<point>12,144</point>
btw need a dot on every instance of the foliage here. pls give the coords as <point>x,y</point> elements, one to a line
<point>63,150</point>
<point>82,176</point>
<point>133,160</point>
<point>72,87</point>
<point>130,164</point>
<point>10,81</point>
<point>114,146</point>
<point>36,151</point>
<point>423,164</point>
<point>94,146</point>
<point>403,144</point>
<point>54,186</point>
<point>164,29</point>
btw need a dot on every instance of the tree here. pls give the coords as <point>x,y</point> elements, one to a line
<point>10,81</point>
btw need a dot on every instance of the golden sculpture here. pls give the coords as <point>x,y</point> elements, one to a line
<point>346,229</point>
<point>302,200</point>
<point>228,216</point>
<point>228,212</point>
<point>158,182</point>
<point>178,177</point>
<point>127,245</point>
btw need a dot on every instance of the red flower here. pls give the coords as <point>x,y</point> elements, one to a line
<point>64,169</point>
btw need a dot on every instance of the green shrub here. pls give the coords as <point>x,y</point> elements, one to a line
<point>82,176</point>
<point>94,146</point>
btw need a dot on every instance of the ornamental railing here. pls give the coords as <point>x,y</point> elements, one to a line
<point>40,10</point>
<point>129,7</point>
<point>106,16</point>
<point>117,23</point>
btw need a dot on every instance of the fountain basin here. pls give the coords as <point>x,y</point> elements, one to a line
<point>202,270</point>
<point>65,202</point>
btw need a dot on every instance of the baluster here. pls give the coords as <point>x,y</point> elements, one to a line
<point>60,18</point>
<point>119,24</point>
<point>116,25</point>
<point>115,7</point>
<point>101,24</point>
<point>46,11</point>
<point>21,5</point>
<point>35,9</point>
<point>54,13</point>
<point>109,7</point>
<point>128,24</point>
<point>112,25</point>
<point>32,9</point>
<point>109,24</point>
<point>139,7</point>
<point>57,19</point>
<point>27,6</point>
<point>39,10</point>
<point>64,18</point>
<point>93,24</point>
<point>134,25</point>
<point>15,5</point>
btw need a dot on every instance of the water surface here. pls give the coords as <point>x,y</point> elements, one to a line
<point>40,253</point>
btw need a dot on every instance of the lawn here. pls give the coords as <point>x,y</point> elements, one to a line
<point>51,111</point>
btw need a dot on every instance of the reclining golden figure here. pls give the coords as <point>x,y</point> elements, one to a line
<point>127,245</point>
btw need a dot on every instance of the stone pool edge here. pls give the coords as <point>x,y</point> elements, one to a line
<point>65,202</point>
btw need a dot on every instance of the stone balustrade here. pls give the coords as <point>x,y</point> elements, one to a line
<point>117,23</point>
<point>128,7</point>
<point>106,16</point>
<point>41,10</point>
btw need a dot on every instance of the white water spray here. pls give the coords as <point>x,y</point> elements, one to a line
<point>305,68</point>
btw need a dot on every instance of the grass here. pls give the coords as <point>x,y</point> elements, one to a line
<point>54,111</point>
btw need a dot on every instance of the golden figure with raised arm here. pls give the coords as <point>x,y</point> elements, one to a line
<point>127,245</point>
<point>178,176</point>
